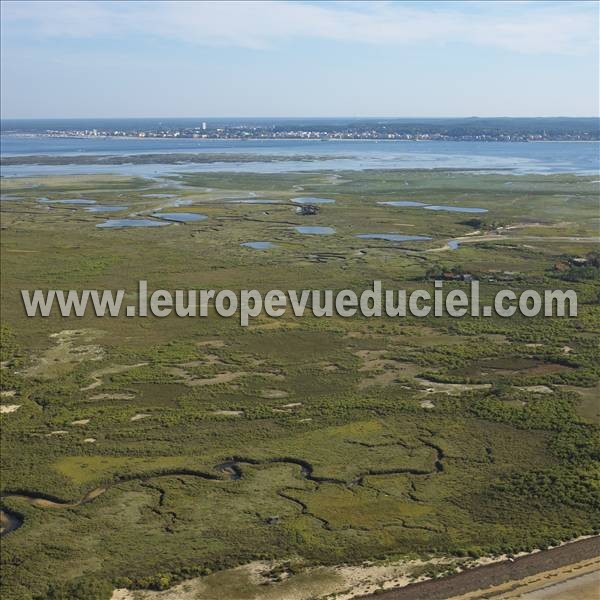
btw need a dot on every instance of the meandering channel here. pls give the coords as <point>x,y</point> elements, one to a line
<point>230,469</point>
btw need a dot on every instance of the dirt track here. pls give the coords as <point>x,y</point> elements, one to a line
<point>480,578</point>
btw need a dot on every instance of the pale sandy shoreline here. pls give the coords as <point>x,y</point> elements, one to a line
<point>573,565</point>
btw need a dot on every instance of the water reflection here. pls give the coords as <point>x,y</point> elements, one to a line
<point>258,245</point>
<point>104,208</point>
<point>67,201</point>
<point>401,203</point>
<point>458,209</point>
<point>180,217</point>
<point>116,223</point>
<point>315,230</point>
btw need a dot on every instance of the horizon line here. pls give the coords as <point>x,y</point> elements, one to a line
<point>309,117</point>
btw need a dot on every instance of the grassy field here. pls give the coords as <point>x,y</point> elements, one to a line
<point>314,441</point>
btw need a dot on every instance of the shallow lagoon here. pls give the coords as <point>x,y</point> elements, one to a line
<point>393,237</point>
<point>105,208</point>
<point>315,230</point>
<point>401,203</point>
<point>532,157</point>
<point>309,200</point>
<point>258,245</point>
<point>75,201</point>
<point>118,223</point>
<point>180,217</point>
<point>437,207</point>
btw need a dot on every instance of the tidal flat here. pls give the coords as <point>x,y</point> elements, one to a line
<point>313,442</point>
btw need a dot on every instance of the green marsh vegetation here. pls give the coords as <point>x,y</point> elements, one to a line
<point>356,439</point>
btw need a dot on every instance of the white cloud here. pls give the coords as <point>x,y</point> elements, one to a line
<point>555,28</point>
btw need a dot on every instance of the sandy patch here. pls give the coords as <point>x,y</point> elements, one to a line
<point>450,388</point>
<point>228,413</point>
<point>536,389</point>
<point>123,594</point>
<point>81,422</point>
<point>273,394</point>
<point>139,417</point>
<point>8,393</point>
<point>57,432</point>
<point>71,347</point>
<point>89,440</point>
<point>8,408</point>
<point>254,581</point>
<point>426,404</point>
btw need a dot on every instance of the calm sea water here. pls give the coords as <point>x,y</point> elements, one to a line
<point>533,157</point>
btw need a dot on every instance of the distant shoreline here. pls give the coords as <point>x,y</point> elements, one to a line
<point>287,139</point>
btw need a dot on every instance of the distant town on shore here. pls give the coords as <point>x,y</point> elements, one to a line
<point>503,129</point>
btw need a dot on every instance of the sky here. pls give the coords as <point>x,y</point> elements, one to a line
<point>299,59</point>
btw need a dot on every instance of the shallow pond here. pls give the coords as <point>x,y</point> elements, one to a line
<point>454,244</point>
<point>180,217</point>
<point>310,200</point>
<point>393,237</point>
<point>401,203</point>
<point>315,230</point>
<point>458,209</point>
<point>438,207</point>
<point>9,522</point>
<point>100,208</point>
<point>258,245</point>
<point>113,223</point>
<point>68,201</point>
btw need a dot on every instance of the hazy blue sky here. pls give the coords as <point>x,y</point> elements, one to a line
<point>109,59</point>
